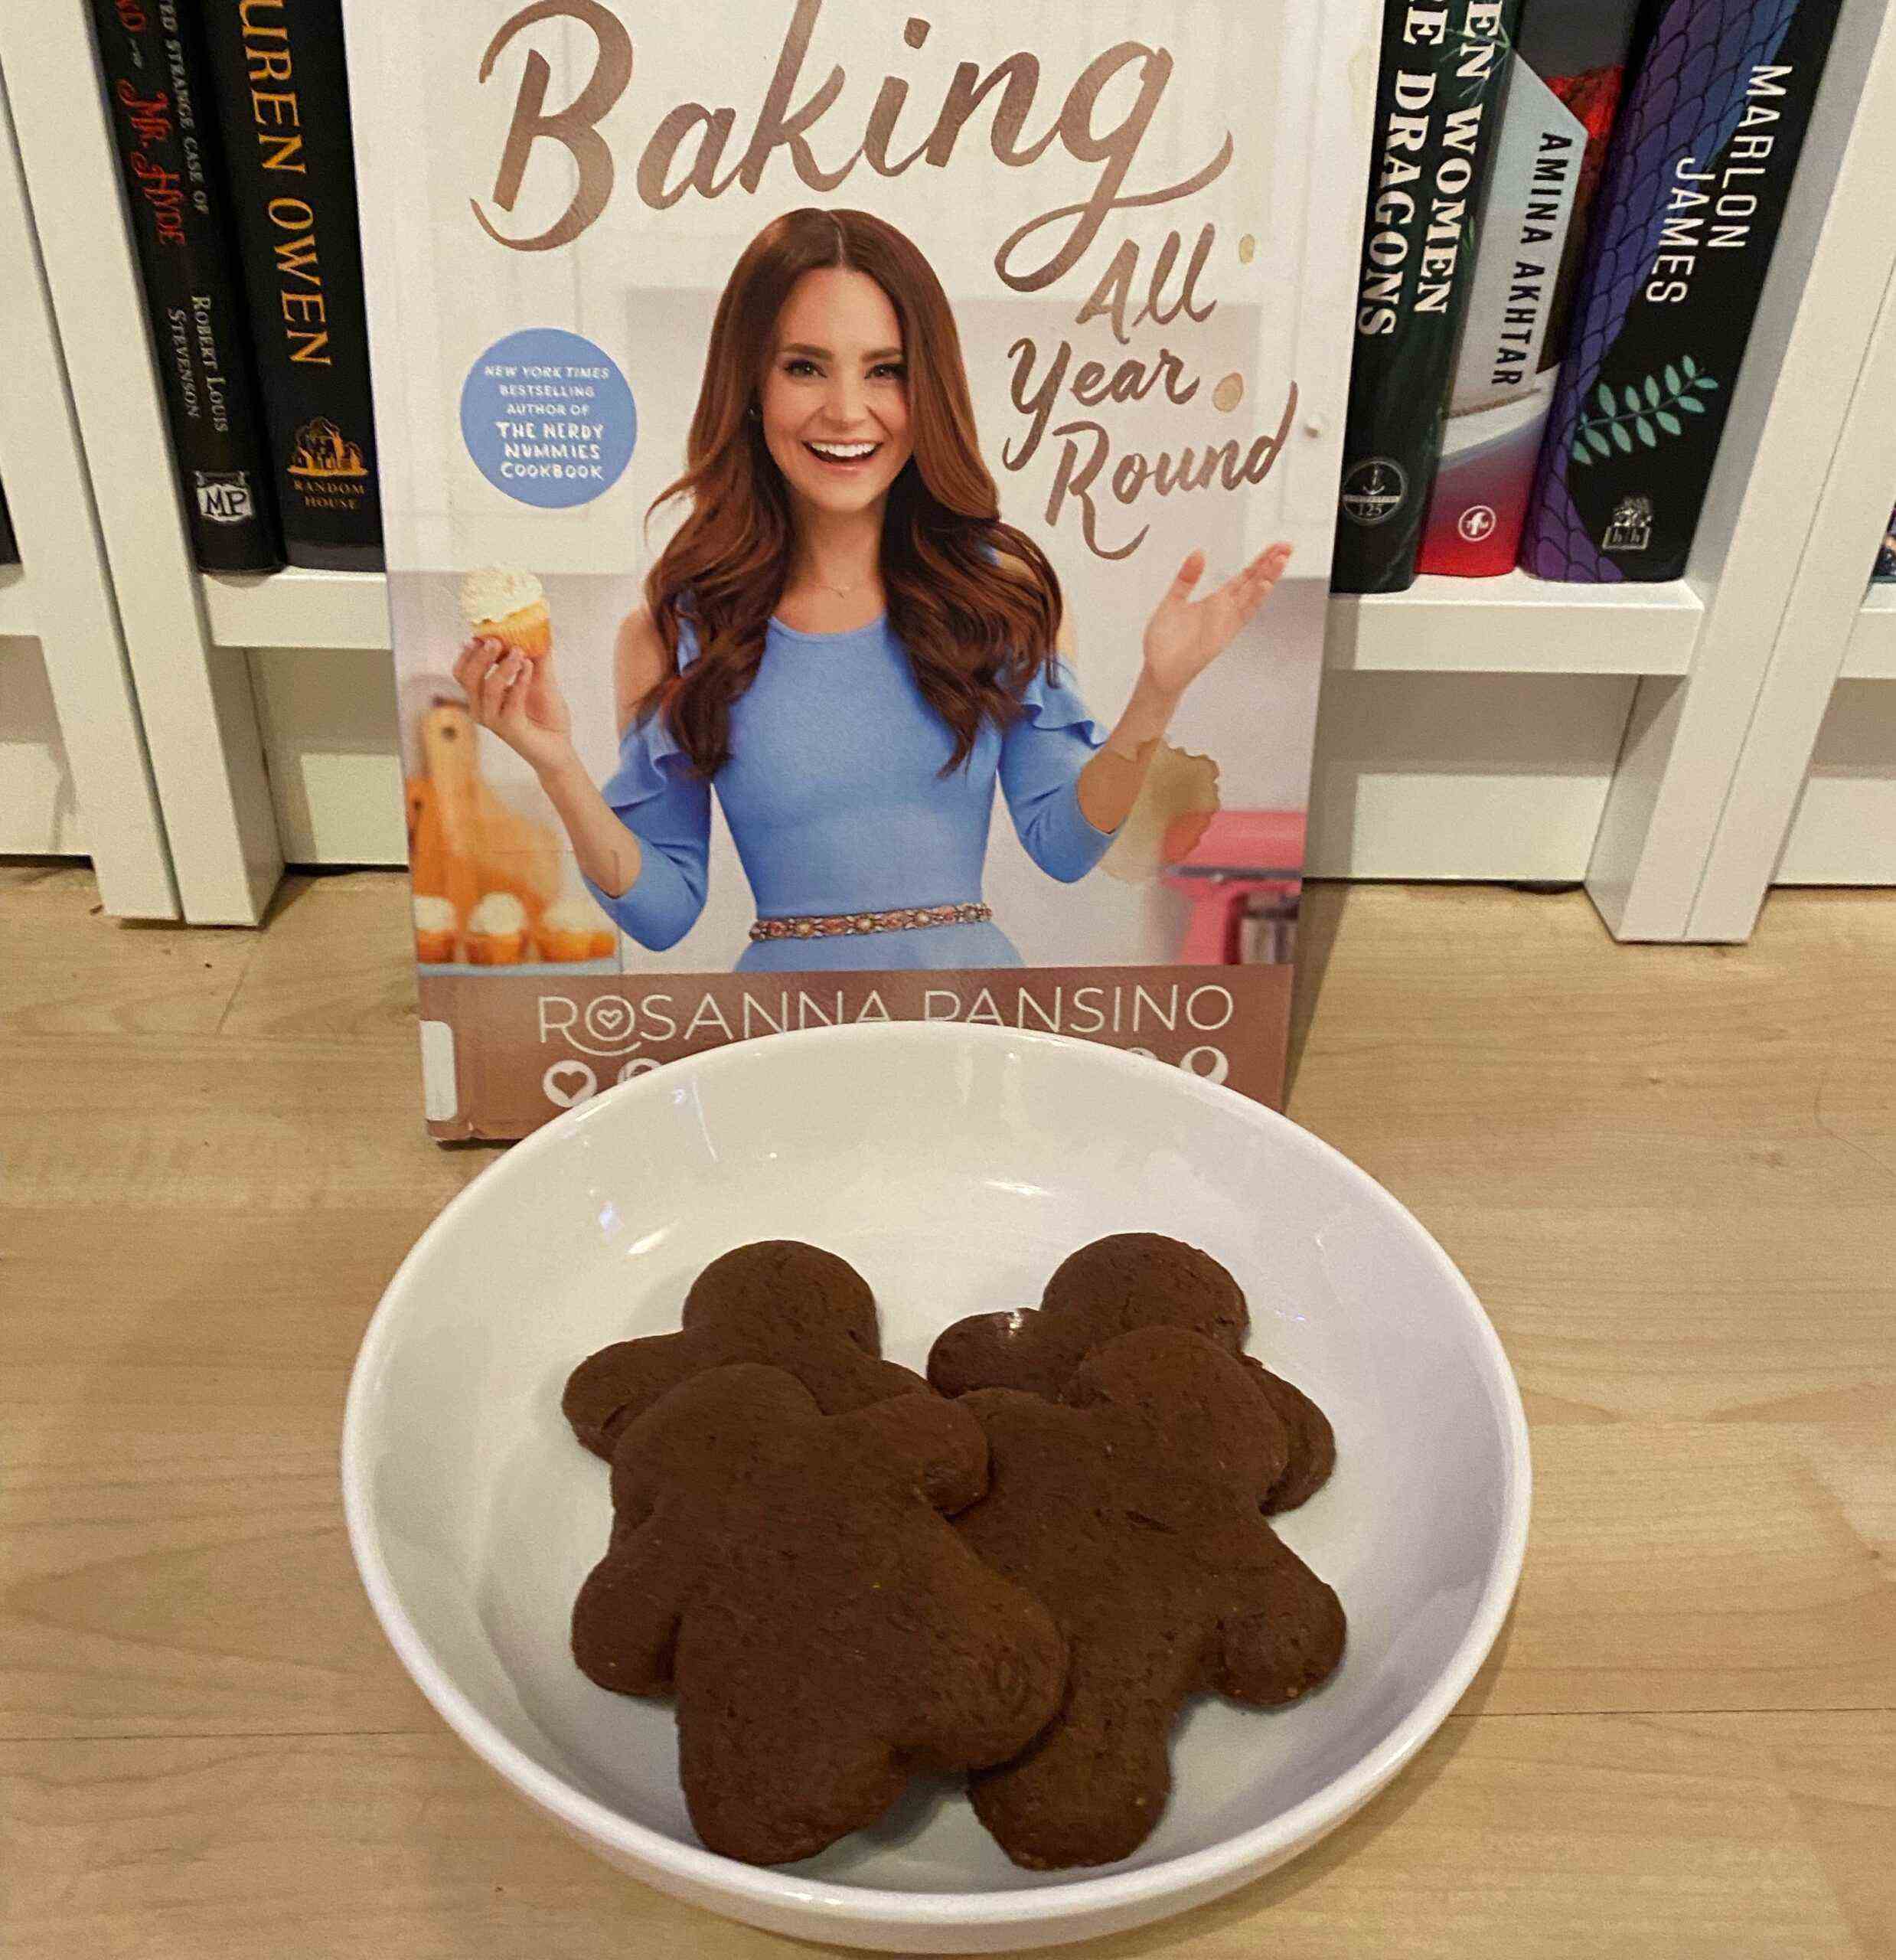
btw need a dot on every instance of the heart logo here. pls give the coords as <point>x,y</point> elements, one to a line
<point>568,1083</point>
<point>608,1019</point>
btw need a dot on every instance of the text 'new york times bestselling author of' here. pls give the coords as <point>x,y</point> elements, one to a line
<point>847,643</point>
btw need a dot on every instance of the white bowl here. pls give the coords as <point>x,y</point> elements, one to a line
<point>954,1166</point>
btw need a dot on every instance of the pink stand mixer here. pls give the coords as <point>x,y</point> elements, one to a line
<point>1241,861</point>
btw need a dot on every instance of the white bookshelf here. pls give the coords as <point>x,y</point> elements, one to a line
<point>1871,653</point>
<point>73,771</point>
<point>1637,738</point>
<point>16,604</point>
<point>1516,625</point>
<point>298,609</point>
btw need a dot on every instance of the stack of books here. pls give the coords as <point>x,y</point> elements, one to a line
<point>1550,328</point>
<point>231,119</point>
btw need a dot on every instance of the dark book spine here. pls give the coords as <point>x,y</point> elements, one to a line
<point>167,147</point>
<point>1697,177</point>
<point>1438,97</point>
<point>283,99</point>
<point>1569,74</point>
<point>1885,572</point>
<point>9,545</point>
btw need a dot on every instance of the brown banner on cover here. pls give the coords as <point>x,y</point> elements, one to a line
<point>503,1053</point>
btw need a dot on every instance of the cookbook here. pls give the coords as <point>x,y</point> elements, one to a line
<point>858,486</point>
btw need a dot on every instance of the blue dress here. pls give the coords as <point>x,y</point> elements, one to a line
<point>836,800</point>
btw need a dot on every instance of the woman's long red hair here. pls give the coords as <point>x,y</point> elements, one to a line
<point>973,600</point>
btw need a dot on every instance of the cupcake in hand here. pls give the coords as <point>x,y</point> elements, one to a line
<point>571,930</point>
<point>497,931</point>
<point>510,607</point>
<point>436,929</point>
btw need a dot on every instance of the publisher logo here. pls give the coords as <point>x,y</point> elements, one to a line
<point>1373,490</point>
<point>1631,529</point>
<point>324,454</point>
<point>1477,522</point>
<point>224,497</point>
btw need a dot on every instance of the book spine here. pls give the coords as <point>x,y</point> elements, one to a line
<point>1444,67</point>
<point>9,545</point>
<point>1563,93</point>
<point>1697,177</point>
<point>1885,572</point>
<point>282,98</point>
<point>153,81</point>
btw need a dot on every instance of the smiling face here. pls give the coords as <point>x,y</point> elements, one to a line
<point>835,396</point>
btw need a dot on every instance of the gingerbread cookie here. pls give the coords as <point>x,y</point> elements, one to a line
<point>1131,1280</point>
<point>1130,1509</point>
<point>779,1302</point>
<point>788,1573</point>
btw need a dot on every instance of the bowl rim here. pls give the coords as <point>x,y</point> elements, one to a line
<point>777,1889</point>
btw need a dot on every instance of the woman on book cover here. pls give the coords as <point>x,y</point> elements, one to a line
<point>846,642</point>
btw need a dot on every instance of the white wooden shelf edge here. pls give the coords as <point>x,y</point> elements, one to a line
<point>1870,655</point>
<point>298,609</point>
<point>1517,624</point>
<point>1514,625</point>
<point>16,603</point>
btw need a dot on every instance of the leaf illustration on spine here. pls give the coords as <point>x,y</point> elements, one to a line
<point>1646,403</point>
<point>1581,456</point>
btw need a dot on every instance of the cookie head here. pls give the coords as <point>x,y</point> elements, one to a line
<point>778,1303</point>
<point>781,1288</point>
<point>1109,1289</point>
<point>1133,1280</point>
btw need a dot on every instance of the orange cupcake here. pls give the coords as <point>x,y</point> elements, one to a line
<point>436,929</point>
<point>567,931</point>
<point>510,607</point>
<point>497,931</point>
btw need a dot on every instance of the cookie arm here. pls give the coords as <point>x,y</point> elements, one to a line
<point>625,1620</point>
<point>938,1443</point>
<point>616,1386</point>
<point>1283,1637</point>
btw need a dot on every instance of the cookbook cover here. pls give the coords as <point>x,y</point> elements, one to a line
<point>859,485</point>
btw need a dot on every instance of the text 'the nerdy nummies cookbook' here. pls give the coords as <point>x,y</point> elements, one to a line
<point>859,483</point>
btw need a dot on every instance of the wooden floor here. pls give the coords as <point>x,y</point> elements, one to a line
<point>1670,1172</point>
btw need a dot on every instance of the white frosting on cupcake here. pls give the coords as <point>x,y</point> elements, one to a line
<point>435,915</point>
<point>497,916</point>
<point>572,915</point>
<point>493,593</point>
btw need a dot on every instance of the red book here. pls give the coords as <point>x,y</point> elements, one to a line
<point>1568,69</point>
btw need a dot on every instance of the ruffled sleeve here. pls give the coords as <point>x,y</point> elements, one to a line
<point>658,795</point>
<point>1042,755</point>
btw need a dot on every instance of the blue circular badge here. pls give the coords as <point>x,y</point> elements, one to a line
<point>548,418</point>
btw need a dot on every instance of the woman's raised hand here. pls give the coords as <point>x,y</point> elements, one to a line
<point>1186,635</point>
<point>519,700</point>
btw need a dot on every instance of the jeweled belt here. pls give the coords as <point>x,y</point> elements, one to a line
<point>909,918</point>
